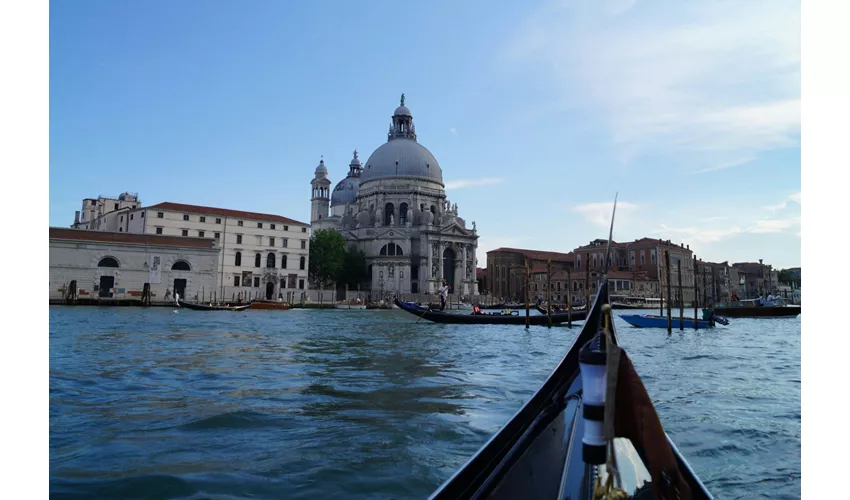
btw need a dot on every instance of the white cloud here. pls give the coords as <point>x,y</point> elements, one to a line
<point>773,225</point>
<point>600,213</point>
<point>794,198</point>
<point>728,164</point>
<point>464,183</point>
<point>453,130</point>
<point>698,235</point>
<point>684,77</point>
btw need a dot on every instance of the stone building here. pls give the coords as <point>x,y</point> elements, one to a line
<point>262,255</point>
<point>506,270</point>
<point>103,213</point>
<point>757,278</point>
<point>394,208</point>
<point>112,265</point>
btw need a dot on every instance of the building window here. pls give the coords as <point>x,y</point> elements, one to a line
<point>116,206</point>
<point>283,261</point>
<point>256,281</point>
<point>185,216</point>
<point>142,215</point>
<point>218,236</point>
<point>270,260</point>
<point>260,225</point>
<point>159,230</point>
<point>286,228</point>
<point>271,242</point>
<point>218,220</point>
<point>236,281</point>
<point>303,229</point>
<point>272,226</point>
<point>652,256</point>
<point>239,223</point>
<point>107,262</point>
<point>303,244</point>
<point>122,218</point>
<point>301,284</point>
<point>391,249</point>
<point>238,239</point>
<point>181,265</point>
<point>285,242</point>
<point>160,215</point>
<point>238,261</point>
<point>120,229</point>
<point>257,260</point>
<point>131,216</point>
<point>202,218</point>
<point>185,232</point>
<point>642,258</point>
<point>303,262</point>
<point>200,234</point>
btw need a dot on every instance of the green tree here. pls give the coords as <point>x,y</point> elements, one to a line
<point>785,276</point>
<point>354,269</point>
<point>327,256</point>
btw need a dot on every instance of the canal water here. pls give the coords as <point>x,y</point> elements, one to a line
<point>149,403</point>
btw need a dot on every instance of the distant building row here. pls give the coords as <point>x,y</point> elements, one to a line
<point>637,269</point>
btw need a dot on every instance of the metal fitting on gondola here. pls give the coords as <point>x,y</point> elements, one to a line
<point>592,361</point>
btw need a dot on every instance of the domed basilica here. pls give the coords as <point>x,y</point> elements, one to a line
<point>394,208</point>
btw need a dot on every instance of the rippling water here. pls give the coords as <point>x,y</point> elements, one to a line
<point>146,403</point>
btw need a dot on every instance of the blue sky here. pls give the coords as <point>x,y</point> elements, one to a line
<point>537,112</point>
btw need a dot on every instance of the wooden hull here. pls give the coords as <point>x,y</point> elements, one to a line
<point>484,319</point>
<point>204,307</point>
<point>538,452</point>
<point>650,321</point>
<point>758,311</point>
<point>269,304</point>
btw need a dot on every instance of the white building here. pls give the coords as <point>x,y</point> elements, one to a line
<point>115,266</point>
<point>262,255</point>
<point>94,212</point>
<point>394,208</point>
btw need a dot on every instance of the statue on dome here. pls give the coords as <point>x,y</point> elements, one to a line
<point>402,99</point>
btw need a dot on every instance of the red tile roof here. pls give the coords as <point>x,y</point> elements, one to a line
<point>61,233</point>
<point>181,207</point>
<point>537,254</point>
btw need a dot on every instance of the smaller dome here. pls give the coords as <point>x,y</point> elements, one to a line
<point>322,169</point>
<point>402,111</point>
<point>345,191</point>
<point>355,161</point>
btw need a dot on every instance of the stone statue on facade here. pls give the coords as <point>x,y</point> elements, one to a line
<point>474,228</point>
<point>392,220</point>
<point>391,272</point>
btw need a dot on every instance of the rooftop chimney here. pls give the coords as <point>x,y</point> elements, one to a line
<point>77,217</point>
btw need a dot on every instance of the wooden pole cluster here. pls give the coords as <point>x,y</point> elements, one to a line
<point>549,291</point>
<point>569,298</point>
<point>669,295</point>
<point>587,282</point>
<point>696,295</point>
<point>527,291</point>
<point>681,297</point>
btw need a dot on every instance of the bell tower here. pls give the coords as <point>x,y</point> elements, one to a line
<point>321,199</point>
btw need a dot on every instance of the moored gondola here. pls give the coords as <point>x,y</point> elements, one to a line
<point>212,307</point>
<point>590,432</point>
<point>514,318</point>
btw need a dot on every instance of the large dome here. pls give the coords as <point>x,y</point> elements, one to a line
<point>345,191</point>
<point>402,157</point>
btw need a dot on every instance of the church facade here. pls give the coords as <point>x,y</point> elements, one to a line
<point>394,208</point>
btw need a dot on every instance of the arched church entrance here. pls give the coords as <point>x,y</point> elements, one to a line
<point>449,268</point>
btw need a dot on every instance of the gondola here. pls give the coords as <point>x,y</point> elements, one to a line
<point>486,318</point>
<point>212,307</point>
<point>578,428</point>
<point>558,310</point>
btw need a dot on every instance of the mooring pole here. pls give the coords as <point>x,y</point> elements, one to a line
<point>669,293</point>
